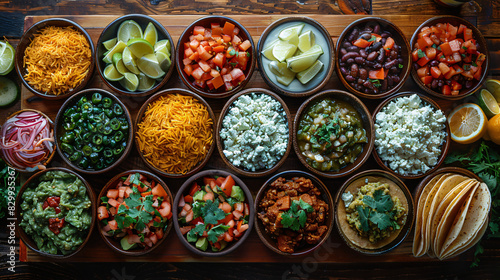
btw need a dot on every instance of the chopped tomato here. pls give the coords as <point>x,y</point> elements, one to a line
<point>389,43</point>
<point>426,80</point>
<point>102,212</point>
<point>446,90</point>
<point>227,185</point>
<point>435,72</point>
<point>361,43</point>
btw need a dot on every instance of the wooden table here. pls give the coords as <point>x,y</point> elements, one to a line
<point>334,259</point>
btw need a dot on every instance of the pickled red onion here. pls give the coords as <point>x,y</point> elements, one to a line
<point>26,140</point>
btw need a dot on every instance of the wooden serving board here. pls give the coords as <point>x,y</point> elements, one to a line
<point>253,250</point>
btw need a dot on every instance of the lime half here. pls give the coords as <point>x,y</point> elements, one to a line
<point>111,74</point>
<point>307,75</point>
<point>488,103</point>
<point>130,81</point>
<point>494,87</point>
<point>6,58</point>
<point>148,64</point>
<point>283,50</point>
<point>150,34</point>
<point>140,47</point>
<point>129,29</point>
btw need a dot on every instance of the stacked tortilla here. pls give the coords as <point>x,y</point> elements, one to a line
<point>452,215</point>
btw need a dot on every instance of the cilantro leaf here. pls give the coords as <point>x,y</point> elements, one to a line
<point>363,214</point>
<point>215,232</point>
<point>148,203</point>
<point>140,226</point>
<point>382,220</point>
<point>302,217</point>
<point>420,53</point>
<point>325,132</point>
<point>194,233</point>
<point>488,179</point>
<point>306,206</point>
<point>212,213</point>
<point>380,201</point>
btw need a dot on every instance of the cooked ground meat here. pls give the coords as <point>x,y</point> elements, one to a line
<point>277,200</point>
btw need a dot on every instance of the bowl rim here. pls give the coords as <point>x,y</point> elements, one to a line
<point>180,67</point>
<point>51,156</point>
<point>23,235</point>
<point>58,121</point>
<point>406,67</point>
<point>445,146</point>
<point>160,29</point>
<point>288,174</point>
<point>331,51</point>
<point>407,227</point>
<point>27,36</point>
<point>220,144</point>
<point>369,145</point>
<point>109,240</point>
<point>186,185</point>
<point>140,115</point>
<point>479,38</point>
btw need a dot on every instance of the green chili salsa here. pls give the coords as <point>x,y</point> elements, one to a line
<point>331,135</point>
<point>95,132</point>
<point>56,212</point>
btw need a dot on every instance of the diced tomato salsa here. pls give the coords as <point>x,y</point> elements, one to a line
<point>448,58</point>
<point>216,57</point>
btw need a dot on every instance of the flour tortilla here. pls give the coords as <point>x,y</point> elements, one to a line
<point>476,215</point>
<point>352,234</point>
<point>418,239</point>
<point>449,209</point>
<point>473,242</point>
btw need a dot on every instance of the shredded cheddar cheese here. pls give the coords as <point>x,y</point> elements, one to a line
<point>175,133</point>
<point>57,60</point>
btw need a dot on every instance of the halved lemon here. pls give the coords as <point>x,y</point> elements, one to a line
<point>494,129</point>
<point>467,123</point>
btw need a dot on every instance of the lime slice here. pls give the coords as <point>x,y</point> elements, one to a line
<point>283,50</point>
<point>268,52</point>
<point>118,48</point>
<point>305,76</point>
<point>6,58</point>
<point>9,92</point>
<point>494,87</point>
<point>140,47</point>
<point>306,41</point>
<point>130,81</point>
<point>130,61</point>
<point>163,60</point>
<point>288,33</point>
<point>148,64</point>
<point>302,62</point>
<point>109,44</point>
<point>283,75</point>
<point>488,103</point>
<point>163,46</point>
<point>129,29</point>
<point>150,34</point>
<point>111,74</point>
<point>145,83</point>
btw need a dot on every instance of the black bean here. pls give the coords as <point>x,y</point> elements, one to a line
<point>368,29</point>
<point>393,54</point>
<point>396,79</point>
<point>361,81</point>
<point>366,36</point>
<point>383,41</point>
<point>376,46</point>
<point>358,87</point>
<point>363,73</point>
<point>347,44</point>
<point>348,55</point>
<point>434,84</point>
<point>440,83</point>
<point>362,52</point>
<point>377,65</point>
<point>401,61</point>
<point>350,61</point>
<point>343,70</point>
<point>390,81</point>
<point>455,77</point>
<point>416,66</point>
<point>434,63</point>
<point>342,63</point>
<point>359,60</point>
<point>352,49</point>
<point>372,56</point>
<point>353,84</point>
<point>386,34</point>
<point>468,84</point>
<point>381,57</point>
<point>343,51</point>
<point>354,70</point>
<point>354,34</point>
<point>368,91</point>
<point>384,85</point>
<point>390,64</point>
<point>394,69</point>
<point>376,29</point>
<point>350,78</point>
<point>369,85</point>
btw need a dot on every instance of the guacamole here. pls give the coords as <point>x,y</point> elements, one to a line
<point>56,212</point>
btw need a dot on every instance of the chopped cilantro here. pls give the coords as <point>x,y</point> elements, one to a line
<point>372,39</point>
<point>439,48</point>
<point>234,64</point>
<point>378,211</point>
<point>375,82</point>
<point>232,52</point>
<point>400,66</point>
<point>463,55</point>
<point>464,47</point>
<point>442,56</point>
<point>474,64</point>
<point>215,232</point>
<point>324,133</point>
<point>295,218</point>
<point>248,54</point>
<point>420,53</point>
<point>466,67</point>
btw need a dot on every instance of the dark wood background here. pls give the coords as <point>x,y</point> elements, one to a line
<point>485,16</point>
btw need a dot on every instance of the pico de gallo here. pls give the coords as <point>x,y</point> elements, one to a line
<point>216,57</point>
<point>447,58</point>
<point>135,212</point>
<point>213,214</point>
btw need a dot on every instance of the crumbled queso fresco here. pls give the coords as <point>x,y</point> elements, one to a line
<point>409,135</point>
<point>255,132</point>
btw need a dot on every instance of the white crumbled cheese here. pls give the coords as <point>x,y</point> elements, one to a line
<point>409,135</point>
<point>347,197</point>
<point>255,132</point>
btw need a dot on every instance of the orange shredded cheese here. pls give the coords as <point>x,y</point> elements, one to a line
<point>57,60</point>
<point>175,133</point>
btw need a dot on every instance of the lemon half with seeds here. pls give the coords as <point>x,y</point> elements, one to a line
<point>467,123</point>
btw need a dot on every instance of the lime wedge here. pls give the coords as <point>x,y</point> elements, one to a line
<point>118,63</point>
<point>288,33</point>
<point>145,83</point>
<point>283,75</point>
<point>494,87</point>
<point>268,52</point>
<point>302,62</point>
<point>6,58</point>
<point>163,46</point>
<point>111,74</point>
<point>150,34</point>
<point>488,103</point>
<point>9,92</point>
<point>283,50</point>
<point>118,48</point>
<point>129,29</point>
<point>130,61</point>
<point>140,47</point>
<point>148,64</point>
<point>163,60</point>
<point>130,81</point>
<point>306,41</point>
<point>305,76</point>
<point>109,44</point>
